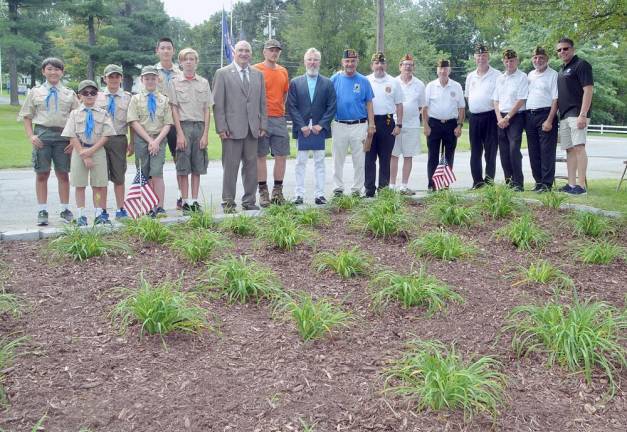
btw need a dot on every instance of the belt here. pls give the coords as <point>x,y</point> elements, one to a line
<point>383,115</point>
<point>539,110</point>
<point>443,121</point>
<point>52,128</point>
<point>351,122</point>
<point>482,113</point>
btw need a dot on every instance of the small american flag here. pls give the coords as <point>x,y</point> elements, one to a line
<point>140,198</point>
<point>443,175</point>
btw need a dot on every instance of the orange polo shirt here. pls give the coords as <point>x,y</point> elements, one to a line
<point>277,85</point>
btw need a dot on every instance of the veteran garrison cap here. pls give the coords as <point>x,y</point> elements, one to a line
<point>378,57</point>
<point>443,63</point>
<point>509,54</point>
<point>148,70</point>
<point>539,51</point>
<point>272,43</point>
<point>350,53</point>
<point>481,49</point>
<point>111,69</point>
<point>86,83</point>
<point>407,57</point>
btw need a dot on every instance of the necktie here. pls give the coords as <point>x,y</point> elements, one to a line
<point>52,91</point>
<point>245,80</point>
<point>152,105</point>
<point>89,123</point>
<point>111,106</point>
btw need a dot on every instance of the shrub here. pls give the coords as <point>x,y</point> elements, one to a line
<point>346,262</point>
<point>439,378</point>
<point>287,209</point>
<point>199,244</point>
<point>148,229</point>
<point>385,217</point>
<point>312,216</point>
<point>314,318</point>
<point>414,289</point>
<point>201,219</point>
<point>84,243</point>
<point>240,224</point>
<point>543,272</point>
<point>10,304</point>
<point>449,208</point>
<point>344,202</point>
<point>498,200</point>
<point>523,233</point>
<point>282,231</point>
<point>599,252</point>
<point>590,224</point>
<point>8,353</point>
<point>441,244</point>
<point>552,199</point>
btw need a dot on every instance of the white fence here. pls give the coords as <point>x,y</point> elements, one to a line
<point>607,129</point>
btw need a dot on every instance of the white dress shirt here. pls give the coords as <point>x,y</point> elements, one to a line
<point>413,100</point>
<point>542,88</point>
<point>509,89</point>
<point>479,90</point>
<point>240,69</point>
<point>387,93</point>
<point>443,103</point>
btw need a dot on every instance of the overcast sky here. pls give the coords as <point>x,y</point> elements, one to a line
<point>196,11</point>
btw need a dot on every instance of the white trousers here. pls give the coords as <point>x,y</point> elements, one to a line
<point>344,137</point>
<point>302,156</point>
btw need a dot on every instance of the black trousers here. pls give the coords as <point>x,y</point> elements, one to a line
<point>441,134</point>
<point>510,139</point>
<point>382,146</point>
<point>542,146</point>
<point>483,142</point>
<point>171,137</point>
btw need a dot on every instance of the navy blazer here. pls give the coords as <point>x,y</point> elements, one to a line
<point>301,109</point>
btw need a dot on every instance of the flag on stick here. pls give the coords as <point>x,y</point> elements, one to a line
<point>443,175</point>
<point>226,40</point>
<point>140,198</point>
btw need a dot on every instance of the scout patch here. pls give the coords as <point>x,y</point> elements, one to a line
<point>388,89</point>
<point>356,88</point>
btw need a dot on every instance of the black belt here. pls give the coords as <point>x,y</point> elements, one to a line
<point>482,113</point>
<point>443,121</point>
<point>52,128</point>
<point>381,116</point>
<point>351,122</point>
<point>539,110</point>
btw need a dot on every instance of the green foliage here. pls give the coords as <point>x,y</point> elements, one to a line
<point>314,318</point>
<point>10,304</point>
<point>590,224</point>
<point>523,233</point>
<point>441,244</point>
<point>8,352</point>
<point>160,309</point>
<point>198,245</point>
<point>579,336</point>
<point>241,224</point>
<point>386,216</point>
<point>283,232</point>
<point>201,219</point>
<point>287,209</point>
<point>448,208</point>
<point>148,229</point>
<point>313,217</point>
<point>413,289</point>
<point>553,199</point>
<point>347,263</point>
<point>344,202</point>
<point>84,243</point>
<point>439,378</point>
<point>497,200</point>
<point>242,280</point>
<point>599,252</point>
<point>543,272</point>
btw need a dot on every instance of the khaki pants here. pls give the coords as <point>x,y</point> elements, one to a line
<point>349,137</point>
<point>235,152</point>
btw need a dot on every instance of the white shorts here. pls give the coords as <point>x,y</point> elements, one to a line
<point>407,143</point>
<point>570,135</point>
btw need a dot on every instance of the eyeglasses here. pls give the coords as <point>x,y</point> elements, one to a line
<point>407,64</point>
<point>563,49</point>
<point>89,93</point>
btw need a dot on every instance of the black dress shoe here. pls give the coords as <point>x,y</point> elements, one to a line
<point>320,200</point>
<point>298,200</point>
<point>250,207</point>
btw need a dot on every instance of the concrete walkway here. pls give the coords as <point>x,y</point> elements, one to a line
<point>18,206</point>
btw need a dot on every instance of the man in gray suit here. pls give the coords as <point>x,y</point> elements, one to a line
<point>311,105</point>
<point>239,111</point>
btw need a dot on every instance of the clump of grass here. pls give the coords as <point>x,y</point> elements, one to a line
<point>8,353</point>
<point>441,244</point>
<point>449,209</point>
<point>199,244</point>
<point>344,202</point>
<point>148,229</point>
<point>347,263</point>
<point>314,318</point>
<point>288,209</point>
<point>438,378</point>
<point>385,217</point>
<point>240,224</point>
<point>579,336</point>
<point>160,309</point>
<point>242,280</point>
<point>413,289</point>
<point>498,201</point>
<point>10,304</point>
<point>390,199</point>
<point>312,216</point>
<point>523,233</point>
<point>590,224</point>
<point>553,199</point>
<point>599,252</point>
<point>283,232</point>
<point>201,219</point>
<point>84,243</point>
<point>543,272</point>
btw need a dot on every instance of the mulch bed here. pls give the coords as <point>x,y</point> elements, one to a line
<point>255,374</point>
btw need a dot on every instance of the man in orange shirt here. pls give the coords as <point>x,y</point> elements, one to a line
<point>276,141</point>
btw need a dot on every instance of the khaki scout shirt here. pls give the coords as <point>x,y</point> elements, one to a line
<point>164,78</point>
<point>122,99</point>
<point>191,96</point>
<point>138,111</point>
<point>35,106</point>
<point>75,126</point>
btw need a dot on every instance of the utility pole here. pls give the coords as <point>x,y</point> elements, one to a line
<point>380,24</point>
<point>269,31</point>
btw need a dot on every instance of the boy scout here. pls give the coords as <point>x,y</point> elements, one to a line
<point>89,127</point>
<point>150,117</point>
<point>191,98</point>
<point>115,101</point>
<point>45,112</point>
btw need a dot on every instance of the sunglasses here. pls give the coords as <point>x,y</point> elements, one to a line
<point>89,93</point>
<point>563,49</point>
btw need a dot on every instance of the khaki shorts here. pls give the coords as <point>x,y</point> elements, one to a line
<point>151,166</point>
<point>277,139</point>
<point>570,135</point>
<point>115,149</point>
<point>81,176</point>
<point>53,151</point>
<point>407,143</point>
<point>193,159</point>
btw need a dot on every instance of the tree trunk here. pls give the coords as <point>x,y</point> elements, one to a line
<point>33,75</point>
<point>11,53</point>
<point>91,62</point>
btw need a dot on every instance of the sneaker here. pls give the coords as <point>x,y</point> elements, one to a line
<point>542,189</point>
<point>67,216</point>
<point>102,219</point>
<point>357,194</point>
<point>477,186</point>
<point>298,200</point>
<point>229,208</point>
<point>187,209</point>
<point>578,190</point>
<point>518,188</point>
<point>160,211</point>
<point>566,188</point>
<point>195,207</point>
<point>338,192</point>
<point>277,195</point>
<point>320,200</point>
<point>152,213</point>
<point>42,218</point>
<point>81,221</point>
<point>264,196</point>
<point>179,204</point>
<point>250,207</point>
<point>407,192</point>
<point>121,214</point>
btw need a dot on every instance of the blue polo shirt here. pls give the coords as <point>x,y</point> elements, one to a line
<point>352,95</point>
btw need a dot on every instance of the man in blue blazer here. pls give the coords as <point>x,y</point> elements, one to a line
<point>311,105</point>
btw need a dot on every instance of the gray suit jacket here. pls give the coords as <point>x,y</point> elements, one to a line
<point>235,111</point>
<point>301,109</point>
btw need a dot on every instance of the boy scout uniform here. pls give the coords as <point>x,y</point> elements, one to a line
<point>49,113</point>
<point>191,96</point>
<point>165,78</point>
<point>117,144</point>
<point>151,166</point>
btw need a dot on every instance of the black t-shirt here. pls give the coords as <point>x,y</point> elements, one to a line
<point>571,80</point>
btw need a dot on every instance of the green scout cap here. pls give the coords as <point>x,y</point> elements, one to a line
<point>509,54</point>
<point>407,57</point>
<point>481,49</point>
<point>350,53</point>
<point>539,51</point>
<point>86,83</point>
<point>111,69</point>
<point>272,43</point>
<point>148,70</point>
<point>443,63</point>
<point>378,57</point>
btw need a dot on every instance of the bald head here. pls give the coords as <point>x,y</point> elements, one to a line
<point>243,51</point>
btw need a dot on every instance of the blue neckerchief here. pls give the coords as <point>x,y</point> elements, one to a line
<point>152,105</point>
<point>168,75</point>
<point>52,91</point>
<point>111,106</point>
<point>89,123</point>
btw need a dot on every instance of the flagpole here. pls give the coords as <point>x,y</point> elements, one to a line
<point>222,38</point>
<point>231,30</point>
